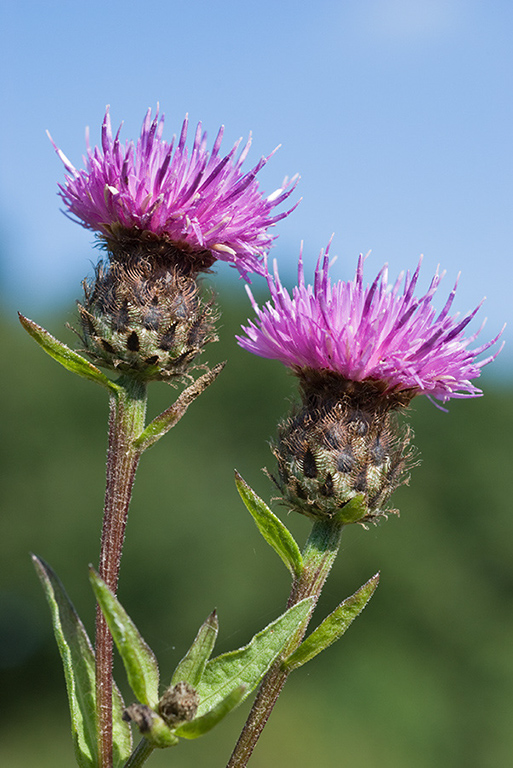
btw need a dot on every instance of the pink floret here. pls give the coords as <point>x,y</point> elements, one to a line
<point>376,332</point>
<point>195,197</point>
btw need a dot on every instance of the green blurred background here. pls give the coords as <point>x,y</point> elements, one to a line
<point>423,678</point>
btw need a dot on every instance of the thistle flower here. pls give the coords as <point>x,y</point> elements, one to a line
<point>164,215</point>
<point>200,202</point>
<point>361,353</point>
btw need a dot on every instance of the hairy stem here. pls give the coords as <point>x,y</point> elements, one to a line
<point>127,412</point>
<point>318,556</point>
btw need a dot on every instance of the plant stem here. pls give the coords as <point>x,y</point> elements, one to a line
<point>318,557</point>
<point>140,754</point>
<point>127,412</point>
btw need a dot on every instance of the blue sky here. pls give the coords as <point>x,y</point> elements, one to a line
<point>398,115</point>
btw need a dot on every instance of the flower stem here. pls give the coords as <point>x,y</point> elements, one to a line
<point>318,557</point>
<point>127,412</point>
<point>140,754</point>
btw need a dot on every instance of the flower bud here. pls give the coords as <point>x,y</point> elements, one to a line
<point>341,443</point>
<point>179,704</point>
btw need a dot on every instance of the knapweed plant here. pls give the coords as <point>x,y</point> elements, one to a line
<point>163,214</point>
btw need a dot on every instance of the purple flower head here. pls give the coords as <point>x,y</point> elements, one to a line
<point>376,333</point>
<point>196,199</point>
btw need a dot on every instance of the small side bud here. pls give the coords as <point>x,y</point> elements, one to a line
<point>150,725</point>
<point>179,704</point>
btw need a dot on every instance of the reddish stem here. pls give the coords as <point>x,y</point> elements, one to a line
<point>125,424</point>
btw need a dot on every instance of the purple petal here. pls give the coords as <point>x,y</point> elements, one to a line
<point>368,332</point>
<point>161,188</point>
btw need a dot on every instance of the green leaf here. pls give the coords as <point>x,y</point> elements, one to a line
<point>333,626</point>
<point>354,510</point>
<point>138,658</point>
<point>78,661</point>
<point>272,529</point>
<point>121,732</point>
<point>248,665</point>
<point>66,356</point>
<point>202,725</point>
<point>191,667</point>
<point>79,671</point>
<point>172,415</point>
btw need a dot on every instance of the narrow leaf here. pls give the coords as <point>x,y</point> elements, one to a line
<point>172,415</point>
<point>191,667</point>
<point>202,725</point>
<point>333,626</point>
<point>66,356</point>
<point>248,665</point>
<point>79,670</point>
<point>78,661</point>
<point>272,529</point>
<point>138,658</point>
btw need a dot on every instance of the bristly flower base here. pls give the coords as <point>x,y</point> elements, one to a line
<point>143,314</point>
<point>129,244</point>
<point>341,443</point>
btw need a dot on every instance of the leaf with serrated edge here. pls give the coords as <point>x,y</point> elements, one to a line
<point>138,658</point>
<point>272,529</point>
<point>191,667</point>
<point>333,626</point>
<point>66,356</point>
<point>248,665</point>
<point>201,725</point>
<point>79,671</point>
